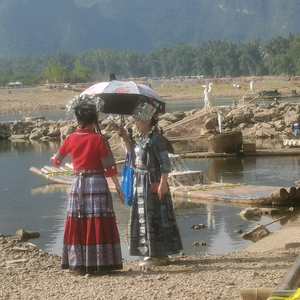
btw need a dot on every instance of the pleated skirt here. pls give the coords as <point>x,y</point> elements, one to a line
<point>153,227</point>
<point>91,239</point>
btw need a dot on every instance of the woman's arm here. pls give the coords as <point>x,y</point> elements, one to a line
<point>123,134</point>
<point>118,188</point>
<point>163,185</point>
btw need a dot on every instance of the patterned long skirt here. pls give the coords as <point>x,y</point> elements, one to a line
<point>91,239</point>
<point>153,228</point>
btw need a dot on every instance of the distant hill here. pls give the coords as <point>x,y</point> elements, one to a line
<point>45,26</point>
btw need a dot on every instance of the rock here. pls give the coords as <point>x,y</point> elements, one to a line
<point>290,119</point>
<point>279,125</point>
<point>251,214</point>
<point>256,234</point>
<point>210,124</point>
<point>36,135</point>
<point>66,130</point>
<point>27,234</point>
<point>18,137</point>
<point>270,211</point>
<point>199,226</point>
<point>238,119</point>
<point>262,116</point>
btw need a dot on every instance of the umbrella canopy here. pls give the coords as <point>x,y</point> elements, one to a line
<point>121,97</point>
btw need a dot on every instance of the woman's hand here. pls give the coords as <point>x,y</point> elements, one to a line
<point>121,194</point>
<point>163,185</point>
<point>52,158</point>
<point>122,133</point>
<point>162,189</point>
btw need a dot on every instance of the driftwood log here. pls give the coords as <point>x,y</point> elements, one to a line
<point>292,192</point>
<point>280,195</point>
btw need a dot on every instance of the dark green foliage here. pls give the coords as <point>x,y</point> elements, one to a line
<point>280,55</point>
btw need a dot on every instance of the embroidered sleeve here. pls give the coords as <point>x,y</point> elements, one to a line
<point>107,158</point>
<point>61,153</point>
<point>161,153</point>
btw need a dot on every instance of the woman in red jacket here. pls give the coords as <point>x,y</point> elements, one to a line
<point>91,241</point>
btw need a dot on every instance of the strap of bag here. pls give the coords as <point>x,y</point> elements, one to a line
<point>128,159</point>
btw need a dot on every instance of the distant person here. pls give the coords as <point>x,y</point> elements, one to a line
<point>91,241</point>
<point>112,76</point>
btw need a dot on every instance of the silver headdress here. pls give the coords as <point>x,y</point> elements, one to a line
<point>144,112</point>
<point>80,98</point>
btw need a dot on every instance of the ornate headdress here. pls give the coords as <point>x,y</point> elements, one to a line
<point>144,111</point>
<point>79,99</point>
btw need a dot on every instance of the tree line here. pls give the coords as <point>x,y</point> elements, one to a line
<point>279,56</point>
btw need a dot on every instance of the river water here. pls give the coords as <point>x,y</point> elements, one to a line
<point>30,202</point>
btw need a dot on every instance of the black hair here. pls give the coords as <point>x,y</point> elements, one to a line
<point>112,76</point>
<point>154,120</point>
<point>86,113</point>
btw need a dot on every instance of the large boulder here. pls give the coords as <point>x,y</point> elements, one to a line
<point>290,119</point>
<point>251,214</point>
<point>66,130</point>
<point>5,131</point>
<point>262,116</point>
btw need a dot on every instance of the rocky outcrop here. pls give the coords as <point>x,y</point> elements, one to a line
<point>255,121</point>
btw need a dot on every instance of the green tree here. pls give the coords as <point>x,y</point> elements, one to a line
<point>250,59</point>
<point>55,71</point>
<point>80,73</point>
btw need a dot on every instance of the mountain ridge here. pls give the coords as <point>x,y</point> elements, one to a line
<point>44,26</point>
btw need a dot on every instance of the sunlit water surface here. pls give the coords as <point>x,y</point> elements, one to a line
<point>31,202</point>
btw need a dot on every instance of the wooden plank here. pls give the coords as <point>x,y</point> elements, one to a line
<point>45,171</point>
<point>51,169</point>
<point>37,171</point>
<point>69,166</point>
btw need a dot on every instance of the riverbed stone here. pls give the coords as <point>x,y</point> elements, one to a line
<point>279,125</point>
<point>290,119</point>
<point>36,134</point>
<point>262,116</point>
<point>18,137</point>
<point>251,214</point>
<point>260,121</point>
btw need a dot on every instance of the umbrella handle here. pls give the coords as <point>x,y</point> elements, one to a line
<point>122,122</point>
<point>98,128</point>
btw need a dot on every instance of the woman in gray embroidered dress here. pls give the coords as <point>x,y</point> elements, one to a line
<point>154,233</point>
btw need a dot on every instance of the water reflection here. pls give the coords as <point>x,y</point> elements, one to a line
<point>279,171</point>
<point>29,202</point>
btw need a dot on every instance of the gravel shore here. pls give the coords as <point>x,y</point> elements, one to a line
<point>27,273</point>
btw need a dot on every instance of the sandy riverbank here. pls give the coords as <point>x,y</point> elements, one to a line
<point>23,101</point>
<point>38,275</point>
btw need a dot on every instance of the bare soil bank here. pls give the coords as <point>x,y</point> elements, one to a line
<point>23,101</point>
<point>38,275</point>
